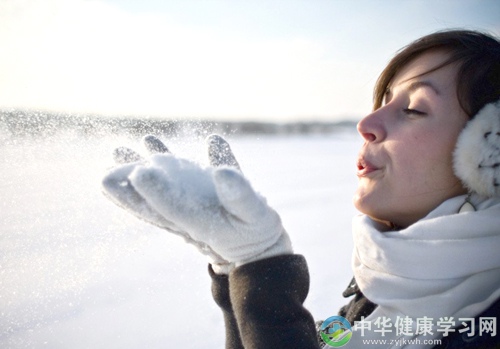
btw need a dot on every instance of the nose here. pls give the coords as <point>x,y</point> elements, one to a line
<point>372,127</point>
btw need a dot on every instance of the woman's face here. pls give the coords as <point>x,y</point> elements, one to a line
<point>405,164</point>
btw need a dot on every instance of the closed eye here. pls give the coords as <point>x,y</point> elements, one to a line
<point>409,111</point>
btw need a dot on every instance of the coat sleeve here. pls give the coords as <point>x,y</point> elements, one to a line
<point>266,298</point>
<point>220,293</point>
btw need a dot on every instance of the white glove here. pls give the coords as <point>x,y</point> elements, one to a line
<point>213,208</point>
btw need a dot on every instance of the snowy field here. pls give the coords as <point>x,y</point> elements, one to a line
<point>78,272</point>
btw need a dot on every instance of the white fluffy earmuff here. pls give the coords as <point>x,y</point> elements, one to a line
<point>476,158</point>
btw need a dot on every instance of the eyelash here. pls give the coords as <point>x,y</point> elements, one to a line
<point>409,111</point>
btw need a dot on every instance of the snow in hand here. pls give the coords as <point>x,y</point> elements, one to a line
<point>78,272</point>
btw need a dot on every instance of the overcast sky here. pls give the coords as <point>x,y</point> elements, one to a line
<point>275,60</point>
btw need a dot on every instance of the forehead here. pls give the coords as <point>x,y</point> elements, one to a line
<point>424,68</point>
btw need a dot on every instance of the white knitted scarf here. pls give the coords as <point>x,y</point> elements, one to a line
<point>445,265</point>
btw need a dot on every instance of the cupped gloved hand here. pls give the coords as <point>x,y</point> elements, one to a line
<point>214,208</point>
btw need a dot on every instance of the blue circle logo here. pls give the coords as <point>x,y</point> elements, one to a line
<point>336,331</point>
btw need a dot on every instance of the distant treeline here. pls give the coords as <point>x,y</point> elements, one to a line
<point>32,123</point>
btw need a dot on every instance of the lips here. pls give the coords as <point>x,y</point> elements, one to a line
<point>365,167</point>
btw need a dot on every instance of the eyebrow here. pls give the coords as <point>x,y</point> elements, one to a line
<point>413,87</point>
<point>423,83</point>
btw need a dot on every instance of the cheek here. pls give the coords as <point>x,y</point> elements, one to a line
<point>424,165</point>
<point>408,159</point>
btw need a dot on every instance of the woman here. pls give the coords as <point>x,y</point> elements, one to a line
<point>425,260</point>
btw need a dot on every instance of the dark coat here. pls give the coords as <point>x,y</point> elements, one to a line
<point>262,304</point>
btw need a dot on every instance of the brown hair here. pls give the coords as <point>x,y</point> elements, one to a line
<point>478,56</point>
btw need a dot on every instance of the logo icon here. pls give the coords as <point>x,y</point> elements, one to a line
<point>336,331</point>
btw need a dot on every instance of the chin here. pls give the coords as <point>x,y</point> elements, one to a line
<point>371,209</point>
<point>364,202</point>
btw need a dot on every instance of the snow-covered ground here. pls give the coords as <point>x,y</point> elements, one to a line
<point>78,272</point>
